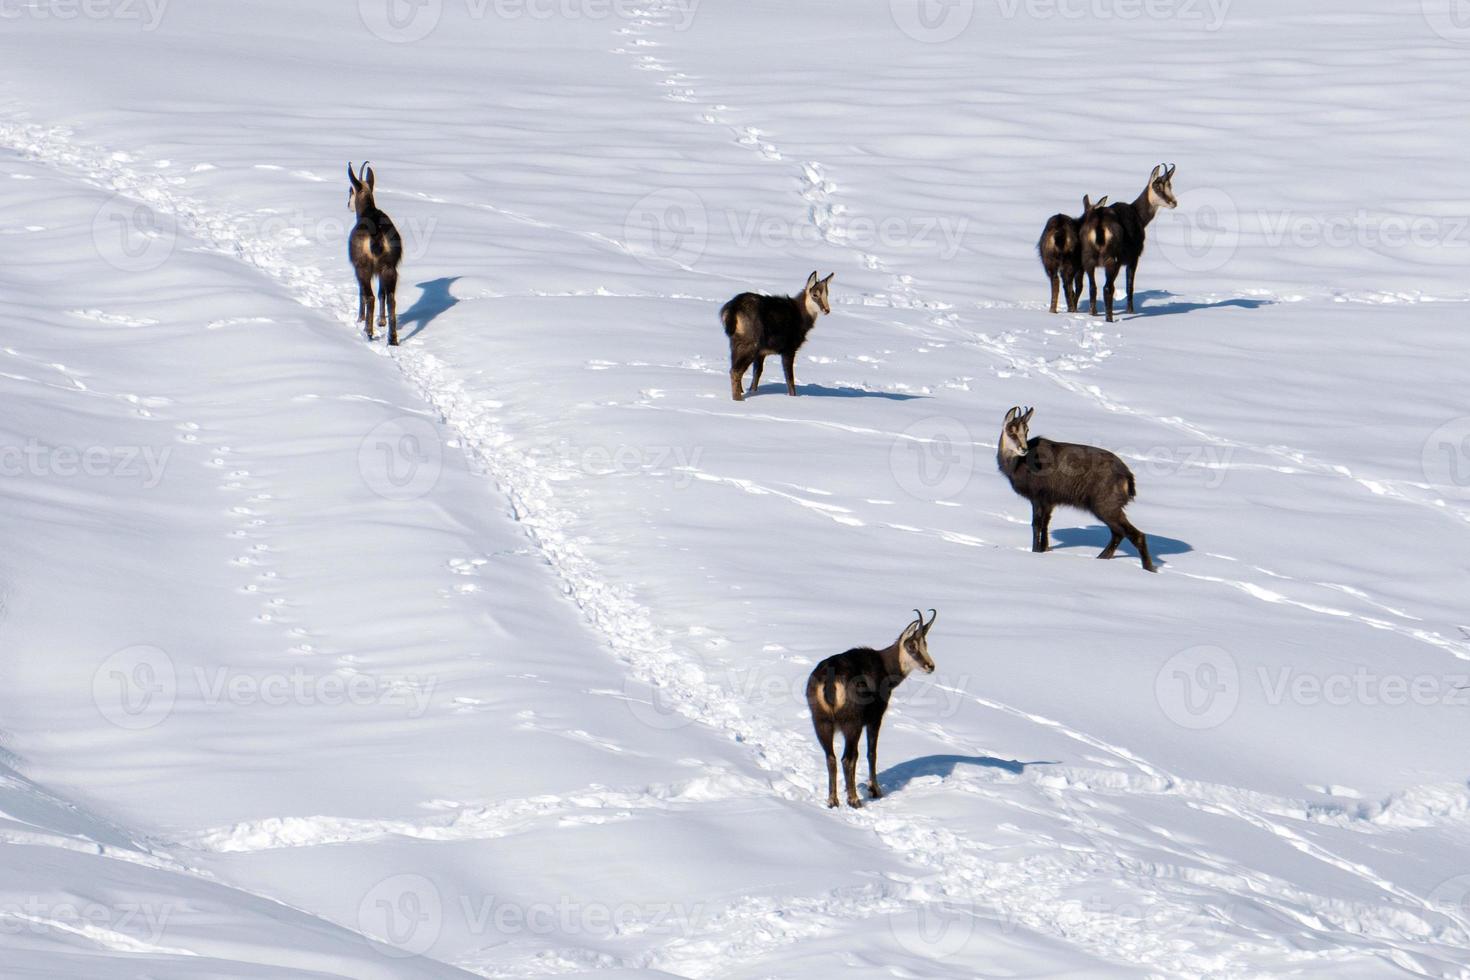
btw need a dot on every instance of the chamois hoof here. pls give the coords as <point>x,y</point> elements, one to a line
<point>855,803</point>
<point>874,793</point>
<point>833,803</point>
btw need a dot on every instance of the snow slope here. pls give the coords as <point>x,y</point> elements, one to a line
<point>484,656</point>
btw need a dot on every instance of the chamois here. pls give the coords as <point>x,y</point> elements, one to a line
<point>850,691</point>
<point>1060,248</point>
<point>375,249</point>
<point>1050,473</point>
<point>1113,237</point>
<point>758,325</point>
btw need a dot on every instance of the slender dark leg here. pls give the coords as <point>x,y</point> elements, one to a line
<point>1092,289</point>
<point>825,731</point>
<point>1056,284</point>
<point>1040,521</point>
<point>739,361</point>
<point>850,738</point>
<point>1109,289</point>
<point>788,364</point>
<point>366,285</point>
<point>1115,526</point>
<point>873,790</point>
<point>388,284</point>
<point>1131,269</point>
<point>1140,542</point>
<point>760,365</point>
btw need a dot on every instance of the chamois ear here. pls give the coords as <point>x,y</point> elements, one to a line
<point>1102,201</point>
<point>811,280</point>
<point>356,184</point>
<point>1155,174</point>
<point>828,279</point>
<point>1169,172</point>
<point>372,178</point>
<point>1012,414</point>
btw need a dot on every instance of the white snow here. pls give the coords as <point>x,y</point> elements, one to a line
<point>486,655</point>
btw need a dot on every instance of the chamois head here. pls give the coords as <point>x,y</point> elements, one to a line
<point>913,645</point>
<point>1015,432</point>
<point>815,293</point>
<point>1161,187</point>
<point>360,194</point>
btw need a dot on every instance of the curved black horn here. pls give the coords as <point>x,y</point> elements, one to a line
<point>918,617</point>
<point>932,617</point>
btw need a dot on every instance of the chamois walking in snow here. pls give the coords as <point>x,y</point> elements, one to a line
<point>850,691</point>
<point>1051,473</point>
<point>375,249</point>
<point>759,325</point>
<point>1112,237</point>
<point>1060,248</point>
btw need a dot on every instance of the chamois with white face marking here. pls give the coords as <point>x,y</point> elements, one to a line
<point>1112,237</point>
<point>1051,473</point>
<point>851,690</point>
<point>1060,249</point>
<point>759,325</point>
<point>375,249</point>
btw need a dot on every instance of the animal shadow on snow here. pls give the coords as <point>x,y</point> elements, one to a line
<point>1097,537</point>
<point>434,298</point>
<point>899,776</point>
<point>822,391</point>
<point>1156,302</point>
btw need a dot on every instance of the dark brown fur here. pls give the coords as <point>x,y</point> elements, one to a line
<point>375,249</point>
<point>759,325</point>
<point>1060,248</point>
<point>1052,474</point>
<point>1113,237</point>
<point>850,691</point>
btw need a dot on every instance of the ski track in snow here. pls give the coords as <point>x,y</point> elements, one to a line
<point>958,869</point>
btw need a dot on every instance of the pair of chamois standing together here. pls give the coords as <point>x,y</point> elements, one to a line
<point>851,691</point>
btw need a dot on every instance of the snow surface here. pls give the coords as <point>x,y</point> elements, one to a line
<point>485,656</point>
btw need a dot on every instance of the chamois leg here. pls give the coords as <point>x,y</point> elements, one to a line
<point>1115,526</point>
<point>1055,288</point>
<point>366,285</point>
<point>1040,526</point>
<point>850,736</point>
<point>739,361</point>
<point>825,730</point>
<point>388,297</point>
<point>788,364</point>
<point>873,789</point>
<point>1131,270</point>
<point>1073,285</point>
<point>760,365</point>
<point>1140,542</point>
<point>1092,289</point>
<point>1110,287</point>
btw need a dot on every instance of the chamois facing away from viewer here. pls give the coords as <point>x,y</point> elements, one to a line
<point>759,325</point>
<point>1050,473</point>
<point>1112,237</point>
<point>1061,253</point>
<point>850,691</point>
<point>375,249</point>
